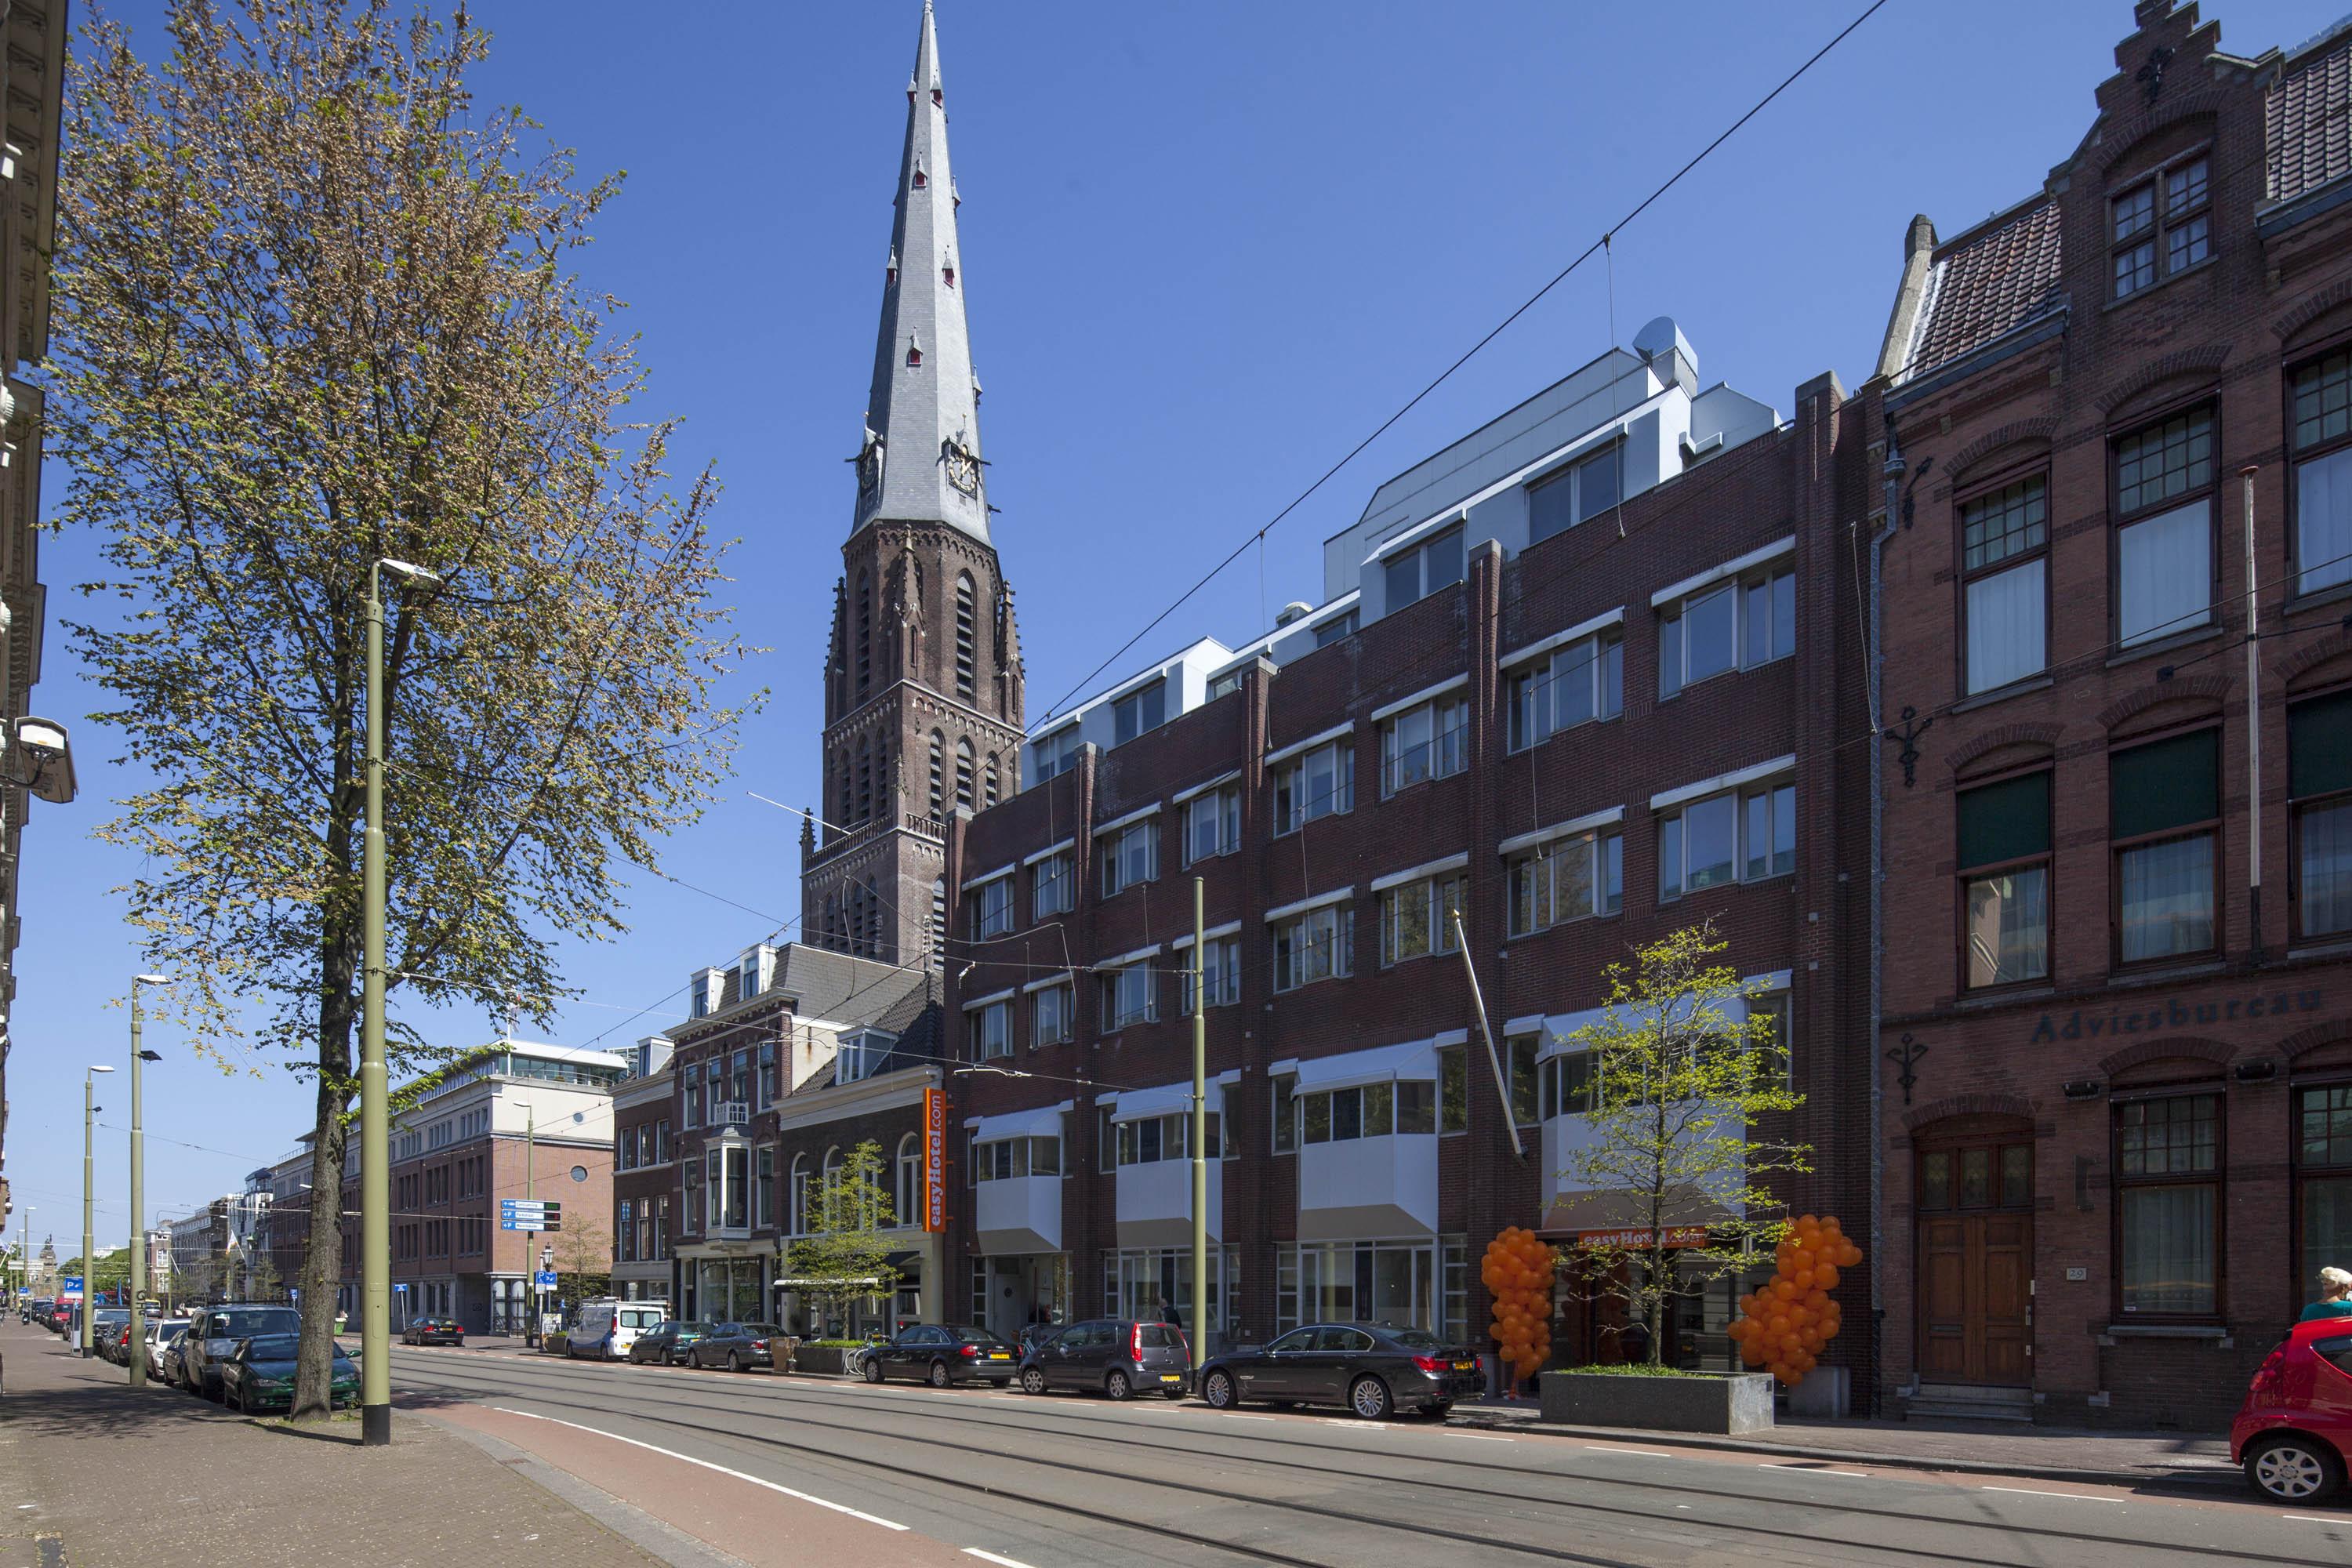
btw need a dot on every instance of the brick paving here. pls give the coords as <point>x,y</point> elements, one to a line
<point>93,1473</point>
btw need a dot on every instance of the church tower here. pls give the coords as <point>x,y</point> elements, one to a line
<point>922,677</point>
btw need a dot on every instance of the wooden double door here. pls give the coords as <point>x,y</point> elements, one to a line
<point>1974,1222</point>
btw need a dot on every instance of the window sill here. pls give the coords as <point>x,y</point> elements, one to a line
<point>2165,645</point>
<point>2215,1334</point>
<point>2041,683</point>
<point>2137,295</point>
<point>2154,971</point>
<point>2335,948</point>
<point>2002,995</point>
<point>2318,598</point>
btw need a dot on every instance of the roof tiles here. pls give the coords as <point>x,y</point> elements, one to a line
<point>2308,121</point>
<point>1991,285</point>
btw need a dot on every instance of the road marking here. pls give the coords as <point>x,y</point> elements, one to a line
<point>1650,1453</point>
<point>992,1557</point>
<point>2029,1491</point>
<point>706,1464</point>
<point>1809,1470</point>
<point>1485,1437</point>
<point>2305,1518</point>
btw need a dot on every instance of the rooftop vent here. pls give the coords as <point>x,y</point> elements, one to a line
<point>1293,611</point>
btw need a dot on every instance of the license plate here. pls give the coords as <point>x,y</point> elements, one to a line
<point>1171,1377</point>
<point>999,1355</point>
<point>1465,1366</point>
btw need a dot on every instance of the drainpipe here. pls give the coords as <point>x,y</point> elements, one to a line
<point>1891,474</point>
<point>2253,729</point>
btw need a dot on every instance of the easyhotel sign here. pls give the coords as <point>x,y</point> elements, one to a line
<point>935,1159</point>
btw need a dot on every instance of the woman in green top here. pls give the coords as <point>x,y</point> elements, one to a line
<point>2335,1296</point>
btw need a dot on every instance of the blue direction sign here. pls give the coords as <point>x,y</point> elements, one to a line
<point>544,1280</point>
<point>70,1288</point>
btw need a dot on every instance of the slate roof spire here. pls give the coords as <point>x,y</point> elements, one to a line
<point>920,462</point>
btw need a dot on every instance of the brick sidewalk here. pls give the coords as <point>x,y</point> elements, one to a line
<point>2014,1449</point>
<point>94,1473</point>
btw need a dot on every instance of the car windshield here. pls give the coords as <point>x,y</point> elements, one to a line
<point>1416,1339</point>
<point>694,1328</point>
<point>167,1333</point>
<point>252,1321</point>
<point>273,1347</point>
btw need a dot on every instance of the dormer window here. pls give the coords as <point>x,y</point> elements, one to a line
<point>921,179</point>
<point>890,269</point>
<point>914,351</point>
<point>947,271</point>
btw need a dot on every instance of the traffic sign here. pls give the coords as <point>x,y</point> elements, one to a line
<point>532,1223</point>
<point>519,1206</point>
<point>544,1282</point>
<point>70,1288</point>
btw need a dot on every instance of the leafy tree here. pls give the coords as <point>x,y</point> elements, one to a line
<point>1681,1077</point>
<point>847,1255</point>
<point>583,1258</point>
<point>313,309</point>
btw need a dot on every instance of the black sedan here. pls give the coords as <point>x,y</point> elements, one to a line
<point>259,1375</point>
<point>941,1354</point>
<point>738,1347</point>
<point>666,1344</point>
<point>1373,1369</point>
<point>433,1331</point>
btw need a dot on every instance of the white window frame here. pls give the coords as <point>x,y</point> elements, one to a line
<point>1062,1000</point>
<point>1328,928</point>
<point>1056,752</point>
<point>1444,749</point>
<point>991,912</point>
<point>991,1030</point>
<point>1430,894</point>
<point>1779,794</point>
<point>1290,781</point>
<point>1582,509</point>
<point>1114,847</point>
<point>1122,986</point>
<point>1418,555</point>
<point>1221,810</point>
<point>1221,976</point>
<point>1595,664</point>
<point>1053,885</point>
<point>1536,865</point>
<point>1129,712</point>
<point>1674,622</point>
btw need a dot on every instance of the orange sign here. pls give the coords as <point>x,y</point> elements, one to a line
<point>1639,1236</point>
<point>935,1159</point>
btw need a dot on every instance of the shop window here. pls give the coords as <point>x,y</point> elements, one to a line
<point>2319,785</point>
<point>2004,861</point>
<point>2164,816</point>
<point>2168,1204</point>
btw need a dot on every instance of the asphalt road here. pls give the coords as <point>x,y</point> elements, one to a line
<point>778,1468</point>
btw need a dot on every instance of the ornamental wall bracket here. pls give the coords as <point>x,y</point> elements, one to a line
<point>2152,73</point>
<point>1906,1057</point>
<point>1913,727</point>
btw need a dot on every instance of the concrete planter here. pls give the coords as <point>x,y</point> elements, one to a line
<point>821,1361</point>
<point>1727,1406</point>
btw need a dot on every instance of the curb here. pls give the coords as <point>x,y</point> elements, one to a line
<point>2208,1473</point>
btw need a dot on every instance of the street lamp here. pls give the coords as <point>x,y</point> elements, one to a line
<point>139,1058</point>
<point>89,1241</point>
<point>375,1135</point>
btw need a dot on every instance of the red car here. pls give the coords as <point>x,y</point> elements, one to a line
<point>2293,1430</point>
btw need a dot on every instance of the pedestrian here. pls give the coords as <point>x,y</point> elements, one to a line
<point>1168,1315</point>
<point>2335,1295</point>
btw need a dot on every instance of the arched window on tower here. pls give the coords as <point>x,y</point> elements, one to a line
<point>831,935</point>
<point>939,775</point>
<point>963,775</point>
<point>873,922</point>
<point>856,915</point>
<point>865,634</point>
<point>967,634</point>
<point>988,794</point>
<point>883,803</point>
<point>845,801</point>
<point>864,780</point>
<point>938,920</point>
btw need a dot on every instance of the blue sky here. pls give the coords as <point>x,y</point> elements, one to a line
<point>1206,248</point>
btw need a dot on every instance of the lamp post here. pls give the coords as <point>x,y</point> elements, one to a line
<point>375,1131</point>
<point>89,1241</point>
<point>140,1056</point>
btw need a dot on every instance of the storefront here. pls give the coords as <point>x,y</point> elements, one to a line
<point>727,1281</point>
<point>1412,1281</point>
<point>1154,1284</point>
<point>1009,1293</point>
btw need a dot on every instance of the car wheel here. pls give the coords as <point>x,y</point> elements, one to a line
<point>1218,1390</point>
<point>1033,1380</point>
<point>873,1370</point>
<point>940,1377</point>
<point>1369,1398</point>
<point>1117,1386</point>
<point>734,1361</point>
<point>2291,1468</point>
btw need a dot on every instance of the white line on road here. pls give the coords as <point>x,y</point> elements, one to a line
<point>706,1464</point>
<point>2029,1491</point>
<point>1485,1436</point>
<point>1650,1453</point>
<point>2305,1518</point>
<point>992,1557</point>
<point>1809,1470</point>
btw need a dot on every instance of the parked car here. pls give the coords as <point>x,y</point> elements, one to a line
<point>214,1332</point>
<point>258,1374</point>
<point>433,1331</point>
<point>35,1307</point>
<point>105,1331</point>
<point>607,1329</point>
<point>2295,1428</point>
<point>941,1355</point>
<point>163,1340</point>
<point>666,1342</point>
<point>740,1347</point>
<point>114,1341</point>
<point>1373,1369</point>
<point>1116,1356</point>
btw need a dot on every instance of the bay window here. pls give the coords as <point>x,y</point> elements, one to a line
<point>2168,1204</point>
<point>2004,865</point>
<point>1212,825</point>
<point>1584,681</point>
<point>1567,1084</point>
<point>1317,945</point>
<point>1453,1089</point>
<point>1322,783</point>
<point>2164,534</point>
<point>2164,817</point>
<point>1128,996</point>
<point>1417,917</point>
<point>764,1187</point>
<point>2319,785</point>
<point>1565,880</point>
<point>1367,1111</point>
<point>1284,1089</point>
<point>1148,1140</point>
<point>2321,429</point>
<point>2004,571</point>
<point>1013,1159</point>
<point>1427,742</point>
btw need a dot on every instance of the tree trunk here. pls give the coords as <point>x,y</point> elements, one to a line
<point>322,1266</point>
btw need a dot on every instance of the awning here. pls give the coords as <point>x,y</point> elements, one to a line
<point>1044,1122</point>
<point>1413,1059</point>
<point>1137,1104</point>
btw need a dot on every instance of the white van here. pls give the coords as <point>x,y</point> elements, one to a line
<point>607,1329</point>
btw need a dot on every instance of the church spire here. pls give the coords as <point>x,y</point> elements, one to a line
<point>920,461</point>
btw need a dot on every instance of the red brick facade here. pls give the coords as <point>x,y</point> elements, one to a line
<point>2137,1067</point>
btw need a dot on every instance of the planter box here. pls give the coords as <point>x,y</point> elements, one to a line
<point>1727,1406</point>
<point>821,1361</point>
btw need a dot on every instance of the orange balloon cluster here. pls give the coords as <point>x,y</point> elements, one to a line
<point>1517,1270</point>
<point>1782,1327</point>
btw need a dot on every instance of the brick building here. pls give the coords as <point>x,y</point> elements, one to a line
<point>1624,567</point>
<point>2118,899</point>
<point>644,1159</point>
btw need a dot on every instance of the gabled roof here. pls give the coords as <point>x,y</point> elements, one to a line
<point>1987,284</point>
<point>2307,117</point>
